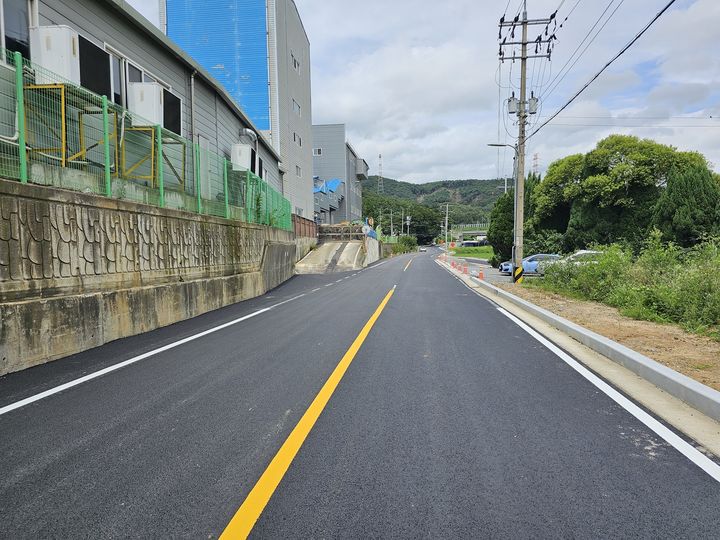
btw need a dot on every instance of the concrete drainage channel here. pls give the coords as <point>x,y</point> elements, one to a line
<point>701,397</point>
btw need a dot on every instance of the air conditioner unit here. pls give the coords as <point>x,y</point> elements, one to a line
<point>145,99</point>
<point>241,157</point>
<point>55,48</point>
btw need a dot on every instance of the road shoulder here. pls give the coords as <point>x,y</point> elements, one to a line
<point>697,426</point>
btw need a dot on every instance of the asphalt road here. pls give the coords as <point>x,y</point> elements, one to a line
<point>450,422</point>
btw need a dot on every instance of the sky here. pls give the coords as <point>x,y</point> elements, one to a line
<point>419,81</point>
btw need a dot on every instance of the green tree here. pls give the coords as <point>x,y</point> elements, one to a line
<point>425,223</point>
<point>689,206</point>
<point>552,199</point>
<point>500,231</point>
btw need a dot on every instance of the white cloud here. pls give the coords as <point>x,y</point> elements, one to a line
<point>415,81</point>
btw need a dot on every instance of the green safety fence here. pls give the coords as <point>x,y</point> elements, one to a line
<point>54,132</point>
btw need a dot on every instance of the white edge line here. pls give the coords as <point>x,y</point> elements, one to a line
<point>315,290</point>
<point>682,446</point>
<point>124,363</point>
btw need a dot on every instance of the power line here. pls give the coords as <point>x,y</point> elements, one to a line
<point>607,65</point>
<point>585,49</point>
<point>709,117</point>
<point>666,126</point>
<point>560,75</point>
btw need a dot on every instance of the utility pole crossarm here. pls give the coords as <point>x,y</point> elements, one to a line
<point>503,58</point>
<point>520,42</point>
<point>529,22</point>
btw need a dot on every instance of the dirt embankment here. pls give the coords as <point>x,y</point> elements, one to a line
<point>695,356</point>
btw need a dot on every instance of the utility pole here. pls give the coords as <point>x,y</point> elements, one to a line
<point>447,211</point>
<point>380,184</point>
<point>522,107</point>
<point>392,231</point>
<point>402,221</point>
<point>520,178</point>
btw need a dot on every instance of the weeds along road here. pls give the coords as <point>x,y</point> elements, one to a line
<point>392,402</point>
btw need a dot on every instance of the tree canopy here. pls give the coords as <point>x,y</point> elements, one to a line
<point>618,191</point>
<point>425,222</point>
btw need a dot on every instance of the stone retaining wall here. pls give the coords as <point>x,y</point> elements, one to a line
<point>78,270</point>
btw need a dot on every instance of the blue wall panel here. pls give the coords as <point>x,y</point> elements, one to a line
<point>228,38</point>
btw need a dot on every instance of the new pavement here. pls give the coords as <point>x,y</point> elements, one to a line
<point>450,422</point>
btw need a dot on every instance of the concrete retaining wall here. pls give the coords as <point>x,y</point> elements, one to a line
<point>78,270</point>
<point>304,245</point>
<point>372,251</point>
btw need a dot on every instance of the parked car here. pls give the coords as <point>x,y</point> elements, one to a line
<point>581,257</point>
<point>505,267</point>
<point>532,264</point>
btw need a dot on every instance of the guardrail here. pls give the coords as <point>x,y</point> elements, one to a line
<point>54,132</point>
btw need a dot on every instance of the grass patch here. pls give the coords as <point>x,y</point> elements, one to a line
<point>480,252</point>
<point>662,284</point>
<point>703,367</point>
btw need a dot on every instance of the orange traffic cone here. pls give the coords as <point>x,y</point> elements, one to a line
<point>481,275</point>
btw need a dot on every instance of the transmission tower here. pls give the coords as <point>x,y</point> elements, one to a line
<point>536,164</point>
<point>380,184</point>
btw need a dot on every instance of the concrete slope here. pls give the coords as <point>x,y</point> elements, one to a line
<point>333,257</point>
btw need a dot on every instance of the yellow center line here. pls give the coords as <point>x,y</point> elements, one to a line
<point>408,264</point>
<point>247,515</point>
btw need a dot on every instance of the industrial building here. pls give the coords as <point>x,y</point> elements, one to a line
<point>171,124</point>
<point>259,51</point>
<point>337,172</point>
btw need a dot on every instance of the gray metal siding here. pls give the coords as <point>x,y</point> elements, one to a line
<point>290,39</point>
<point>331,164</point>
<point>214,118</point>
<point>96,22</point>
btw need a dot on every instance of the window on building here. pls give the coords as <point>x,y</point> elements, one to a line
<point>134,74</point>
<point>295,62</point>
<point>296,108</point>
<point>94,68</point>
<point>16,26</point>
<point>317,151</point>
<point>118,90</point>
<point>261,169</point>
<point>123,72</point>
<point>171,112</point>
<point>297,139</point>
<point>298,171</point>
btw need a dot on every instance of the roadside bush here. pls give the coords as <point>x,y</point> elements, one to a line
<point>665,283</point>
<point>592,280</point>
<point>405,244</point>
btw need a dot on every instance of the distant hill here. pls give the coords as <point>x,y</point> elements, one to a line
<point>470,200</point>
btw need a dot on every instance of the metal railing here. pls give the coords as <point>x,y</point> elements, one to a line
<point>54,132</point>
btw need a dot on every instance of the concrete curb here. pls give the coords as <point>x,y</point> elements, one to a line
<point>701,397</point>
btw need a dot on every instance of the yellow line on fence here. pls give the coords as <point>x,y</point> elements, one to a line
<point>247,515</point>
